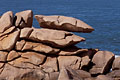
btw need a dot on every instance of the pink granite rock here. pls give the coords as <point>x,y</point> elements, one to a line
<point>72,50</point>
<point>63,23</point>
<point>7,42</point>
<point>24,19</point>
<point>34,46</point>
<point>6,21</point>
<point>69,61</point>
<point>102,61</point>
<point>55,38</point>
<point>116,64</point>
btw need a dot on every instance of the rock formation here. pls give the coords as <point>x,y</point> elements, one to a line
<point>23,19</point>
<point>49,53</point>
<point>63,23</point>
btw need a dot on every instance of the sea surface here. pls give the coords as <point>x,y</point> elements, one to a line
<point>102,15</point>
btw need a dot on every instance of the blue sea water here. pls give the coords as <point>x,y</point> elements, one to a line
<point>102,15</point>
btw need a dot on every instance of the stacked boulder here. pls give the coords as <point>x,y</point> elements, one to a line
<point>115,69</point>
<point>49,53</point>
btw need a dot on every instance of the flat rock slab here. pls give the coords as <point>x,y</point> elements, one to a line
<point>22,63</point>
<point>71,61</point>
<point>50,65</point>
<point>33,57</point>
<point>7,42</point>
<point>24,19</point>
<point>55,38</point>
<point>102,61</point>
<point>26,59</point>
<point>6,21</point>
<point>34,46</point>
<point>63,23</point>
<point>25,32</point>
<point>72,50</point>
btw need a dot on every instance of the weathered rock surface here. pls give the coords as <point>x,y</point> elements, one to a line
<point>34,57</point>
<point>86,58</point>
<point>22,63</point>
<point>20,74</point>
<point>78,74</point>
<point>24,19</point>
<point>69,61</point>
<point>90,53</point>
<point>7,42</point>
<point>9,30</point>
<point>50,65</point>
<point>115,74</point>
<point>20,44</point>
<point>6,21</point>
<point>25,32</point>
<point>66,73</point>
<point>85,61</point>
<point>12,55</point>
<point>26,59</point>
<point>60,38</point>
<point>63,74</point>
<point>104,77</point>
<point>72,50</point>
<point>83,74</point>
<point>91,78</point>
<point>53,76</point>
<point>3,56</point>
<point>116,64</point>
<point>63,23</point>
<point>40,47</point>
<point>28,46</point>
<point>102,61</point>
<point>1,66</point>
